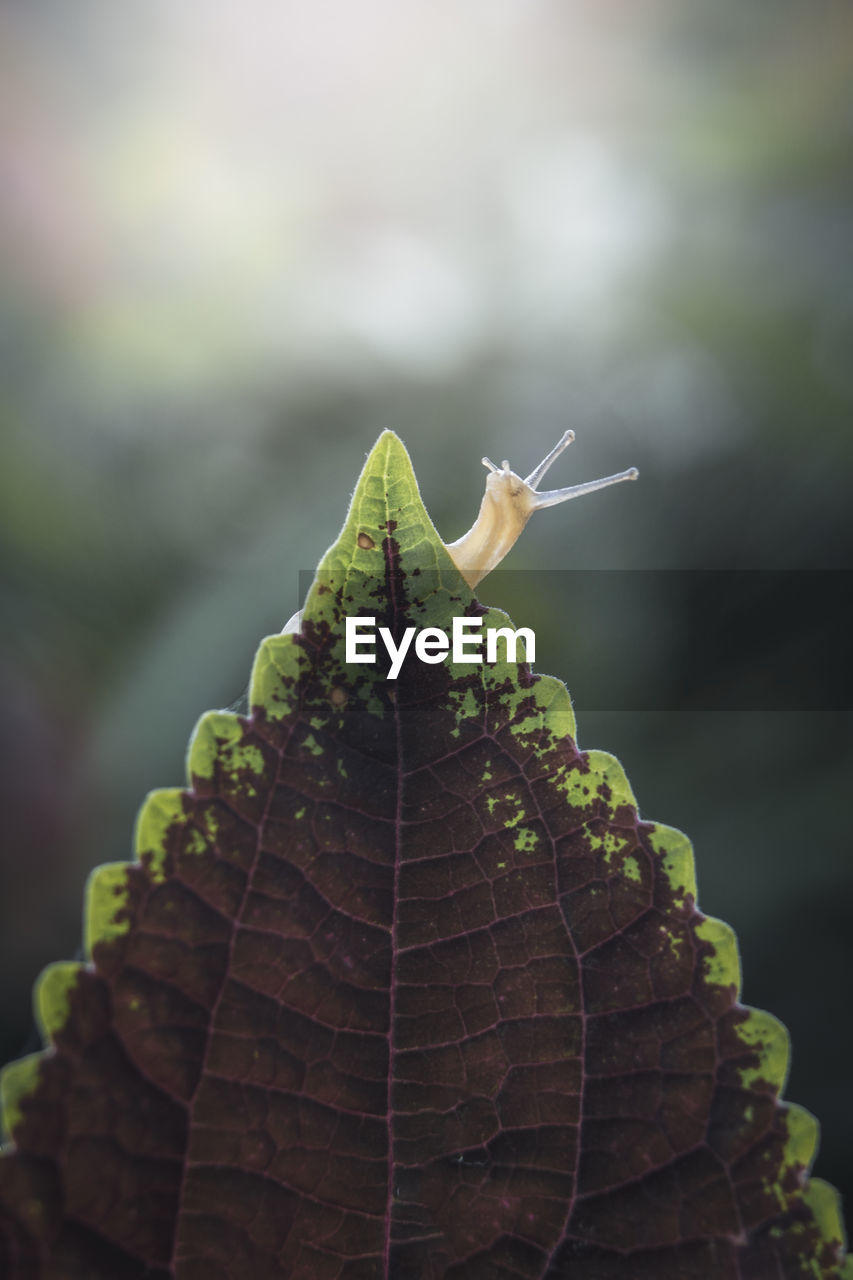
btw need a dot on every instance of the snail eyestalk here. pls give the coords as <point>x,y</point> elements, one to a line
<point>507,505</point>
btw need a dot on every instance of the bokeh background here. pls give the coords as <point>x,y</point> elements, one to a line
<point>237,240</point>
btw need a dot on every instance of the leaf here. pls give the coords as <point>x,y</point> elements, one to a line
<point>402,986</point>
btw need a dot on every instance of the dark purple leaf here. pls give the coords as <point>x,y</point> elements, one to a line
<point>402,986</point>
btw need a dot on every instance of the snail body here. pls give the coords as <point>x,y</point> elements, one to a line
<point>507,505</point>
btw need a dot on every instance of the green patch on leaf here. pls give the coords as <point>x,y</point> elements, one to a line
<point>631,869</point>
<point>525,839</point>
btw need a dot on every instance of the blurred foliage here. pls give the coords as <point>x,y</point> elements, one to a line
<point>238,241</point>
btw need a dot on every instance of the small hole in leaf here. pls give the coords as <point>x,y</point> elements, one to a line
<point>365,540</point>
<point>338,696</point>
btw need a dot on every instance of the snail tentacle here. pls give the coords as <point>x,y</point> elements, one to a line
<point>507,505</point>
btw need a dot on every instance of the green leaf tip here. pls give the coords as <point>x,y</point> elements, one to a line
<point>51,1008</point>
<point>217,734</point>
<point>803,1137</point>
<point>51,1001</point>
<point>275,675</point>
<point>722,959</point>
<point>611,776</point>
<point>161,811</point>
<point>770,1050</point>
<point>825,1203</point>
<point>679,866</point>
<point>386,512</point>
<point>18,1080</point>
<point>106,897</point>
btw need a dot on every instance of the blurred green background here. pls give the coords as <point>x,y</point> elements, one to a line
<point>239,240</point>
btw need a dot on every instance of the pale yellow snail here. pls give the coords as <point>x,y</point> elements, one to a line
<point>507,505</point>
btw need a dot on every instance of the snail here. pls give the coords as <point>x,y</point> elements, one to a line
<point>507,505</point>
